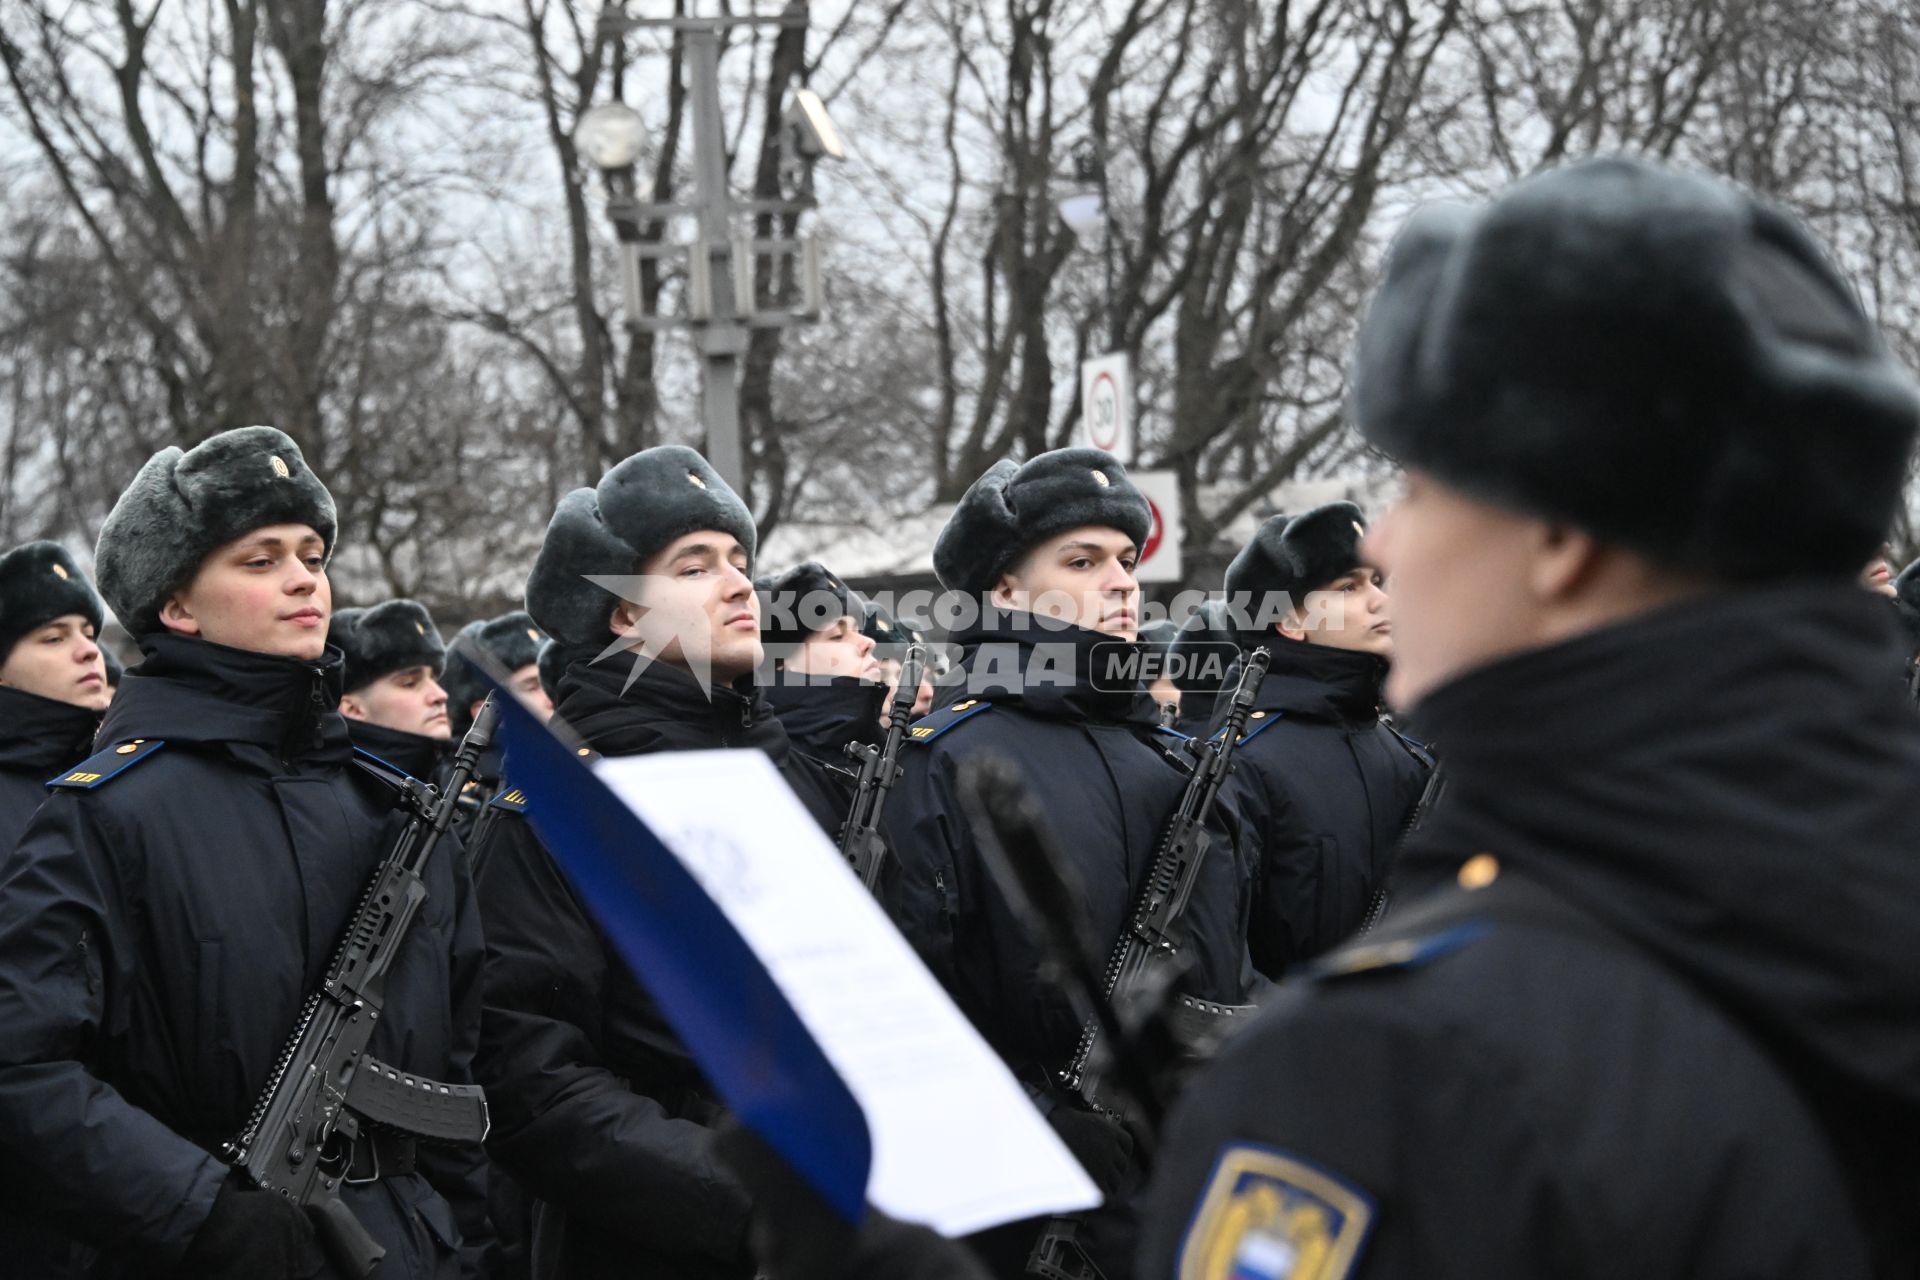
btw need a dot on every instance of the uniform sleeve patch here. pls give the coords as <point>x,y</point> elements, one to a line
<point>1269,1215</point>
<point>513,800</point>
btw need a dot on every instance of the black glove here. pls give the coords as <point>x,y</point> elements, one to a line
<point>254,1235</point>
<point>1102,1145</point>
<point>796,1236</point>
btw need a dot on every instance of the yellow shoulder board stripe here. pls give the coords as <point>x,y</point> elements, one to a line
<point>104,766</point>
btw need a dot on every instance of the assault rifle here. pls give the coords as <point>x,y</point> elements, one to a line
<point>327,1092</point>
<point>1144,962</point>
<point>860,841</point>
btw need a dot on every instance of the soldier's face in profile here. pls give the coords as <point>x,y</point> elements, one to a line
<point>59,659</point>
<point>840,649</point>
<point>409,700</point>
<point>1462,574</point>
<point>525,685</point>
<point>266,591</point>
<point>1348,613</point>
<point>1083,577</point>
<point>697,608</point>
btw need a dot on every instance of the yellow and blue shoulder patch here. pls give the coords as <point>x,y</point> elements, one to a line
<point>103,766</point>
<point>1258,722</point>
<point>940,719</point>
<point>511,799</point>
<point>1396,955</point>
<point>1270,1215</point>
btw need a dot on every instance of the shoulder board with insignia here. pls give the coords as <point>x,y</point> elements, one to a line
<point>1258,722</point>
<point>938,721</point>
<point>511,799</point>
<point>1396,955</point>
<point>104,766</point>
<point>1269,1214</point>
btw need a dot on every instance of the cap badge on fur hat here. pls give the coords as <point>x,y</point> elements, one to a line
<point>694,480</point>
<point>1100,478</point>
<point>279,465</point>
<point>1359,528</point>
<point>421,627</point>
<point>60,572</point>
<point>533,635</point>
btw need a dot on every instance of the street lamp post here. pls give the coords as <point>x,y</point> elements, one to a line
<point>721,304</point>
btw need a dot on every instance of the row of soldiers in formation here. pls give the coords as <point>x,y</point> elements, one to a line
<point>1643,1004</point>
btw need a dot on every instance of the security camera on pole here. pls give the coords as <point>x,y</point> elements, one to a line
<point>721,304</point>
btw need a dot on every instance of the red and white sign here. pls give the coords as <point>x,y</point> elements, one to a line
<point>1160,557</point>
<point>1106,406</point>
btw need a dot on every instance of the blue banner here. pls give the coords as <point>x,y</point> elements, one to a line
<point>720,999</point>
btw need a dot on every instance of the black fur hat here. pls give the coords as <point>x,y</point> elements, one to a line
<point>640,506</point>
<point>385,638</point>
<point>38,583</point>
<point>552,661</point>
<point>511,641</point>
<point>806,598</point>
<point>184,504</point>
<point>1293,555</point>
<point>1655,357</point>
<point>1014,507</point>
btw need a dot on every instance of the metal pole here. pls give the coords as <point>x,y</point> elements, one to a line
<point>722,339</point>
<point>1106,254</point>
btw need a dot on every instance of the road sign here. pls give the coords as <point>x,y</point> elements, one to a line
<point>1106,406</point>
<point>1160,557</point>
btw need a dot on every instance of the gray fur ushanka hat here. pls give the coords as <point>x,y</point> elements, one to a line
<point>1296,554</point>
<point>806,598</point>
<point>385,638</point>
<point>639,507</point>
<point>511,641</point>
<point>38,583</point>
<point>1654,357</point>
<point>1014,507</point>
<point>185,504</point>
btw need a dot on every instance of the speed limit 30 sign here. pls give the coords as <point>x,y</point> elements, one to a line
<point>1106,406</point>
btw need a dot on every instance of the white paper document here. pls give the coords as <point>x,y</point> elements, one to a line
<point>957,1145</point>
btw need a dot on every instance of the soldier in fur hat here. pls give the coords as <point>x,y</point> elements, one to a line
<point>1049,678</point>
<point>53,683</point>
<point>393,701</point>
<point>820,671</point>
<point>644,582</point>
<point>163,915</point>
<point>1326,783</point>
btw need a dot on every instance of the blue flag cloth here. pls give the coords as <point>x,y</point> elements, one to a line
<point>709,984</point>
